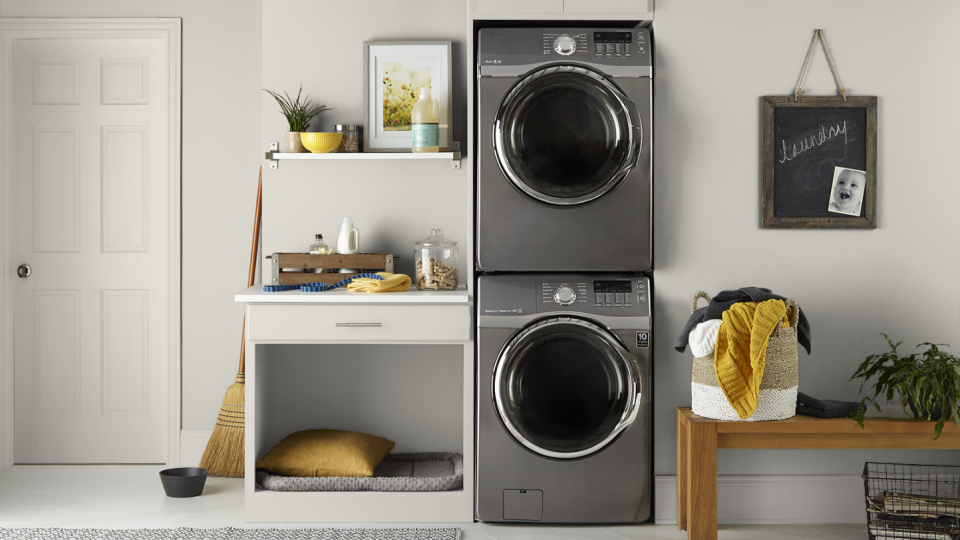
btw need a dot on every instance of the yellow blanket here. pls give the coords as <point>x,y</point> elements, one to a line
<point>742,350</point>
<point>389,283</point>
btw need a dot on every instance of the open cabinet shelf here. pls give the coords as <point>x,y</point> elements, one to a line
<point>274,155</point>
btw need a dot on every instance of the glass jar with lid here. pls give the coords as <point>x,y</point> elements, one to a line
<point>350,143</point>
<point>436,260</point>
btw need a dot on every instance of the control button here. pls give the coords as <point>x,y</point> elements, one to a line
<point>565,45</point>
<point>639,285</point>
<point>628,304</point>
<point>641,298</point>
<point>564,295</point>
<point>618,305</point>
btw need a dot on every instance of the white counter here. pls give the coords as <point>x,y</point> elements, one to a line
<point>399,364</point>
<point>256,294</point>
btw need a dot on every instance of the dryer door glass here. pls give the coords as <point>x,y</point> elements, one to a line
<point>565,387</point>
<point>566,135</point>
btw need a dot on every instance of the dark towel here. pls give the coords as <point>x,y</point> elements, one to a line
<point>723,301</point>
<point>825,408</point>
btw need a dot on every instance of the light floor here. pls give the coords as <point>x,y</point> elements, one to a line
<point>130,496</point>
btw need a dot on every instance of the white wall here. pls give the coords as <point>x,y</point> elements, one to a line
<point>221,156</point>
<point>393,203</point>
<point>714,62</point>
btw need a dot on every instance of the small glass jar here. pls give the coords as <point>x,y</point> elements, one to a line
<point>350,144</point>
<point>436,260</point>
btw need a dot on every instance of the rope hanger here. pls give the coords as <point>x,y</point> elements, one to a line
<point>823,41</point>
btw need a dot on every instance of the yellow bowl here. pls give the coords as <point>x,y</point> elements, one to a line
<point>321,143</point>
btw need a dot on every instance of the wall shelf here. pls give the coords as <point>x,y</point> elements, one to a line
<point>274,155</point>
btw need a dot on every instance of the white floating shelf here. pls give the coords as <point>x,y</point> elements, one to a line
<point>273,156</point>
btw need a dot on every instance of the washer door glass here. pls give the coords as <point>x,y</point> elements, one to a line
<point>565,387</point>
<point>566,135</point>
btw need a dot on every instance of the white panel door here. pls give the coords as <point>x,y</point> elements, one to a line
<point>91,220</point>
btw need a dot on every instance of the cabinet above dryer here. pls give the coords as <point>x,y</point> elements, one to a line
<point>562,9</point>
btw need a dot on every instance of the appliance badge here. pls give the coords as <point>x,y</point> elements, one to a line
<point>643,340</point>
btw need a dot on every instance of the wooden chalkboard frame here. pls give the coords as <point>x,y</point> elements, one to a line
<point>869,218</point>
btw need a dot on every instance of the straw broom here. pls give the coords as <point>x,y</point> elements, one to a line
<point>224,453</point>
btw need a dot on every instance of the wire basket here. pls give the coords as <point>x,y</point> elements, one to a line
<point>917,502</point>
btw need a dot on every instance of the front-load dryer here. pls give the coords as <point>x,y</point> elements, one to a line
<point>564,398</point>
<point>565,137</point>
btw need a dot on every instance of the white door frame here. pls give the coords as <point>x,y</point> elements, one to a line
<point>11,29</point>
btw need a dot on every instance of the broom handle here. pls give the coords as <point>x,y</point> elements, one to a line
<point>253,266</point>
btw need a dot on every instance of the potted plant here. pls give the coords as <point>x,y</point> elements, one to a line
<point>298,114</point>
<point>928,382</point>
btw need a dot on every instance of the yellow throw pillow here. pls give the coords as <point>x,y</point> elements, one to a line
<point>326,452</point>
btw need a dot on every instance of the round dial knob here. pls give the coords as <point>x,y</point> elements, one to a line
<point>564,295</point>
<point>565,45</point>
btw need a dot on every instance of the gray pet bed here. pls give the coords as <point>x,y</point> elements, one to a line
<point>419,471</point>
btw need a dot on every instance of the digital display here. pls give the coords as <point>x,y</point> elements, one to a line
<point>611,37</point>
<point>619,286</point>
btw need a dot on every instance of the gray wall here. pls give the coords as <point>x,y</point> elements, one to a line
<point>713,64</point>
<point>221,156</point>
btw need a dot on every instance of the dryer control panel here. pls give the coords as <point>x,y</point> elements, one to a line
<point>623,48</point>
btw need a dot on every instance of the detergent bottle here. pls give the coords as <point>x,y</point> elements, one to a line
<point>426,123</point>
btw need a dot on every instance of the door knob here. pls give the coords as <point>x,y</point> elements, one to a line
<point>24,270</point>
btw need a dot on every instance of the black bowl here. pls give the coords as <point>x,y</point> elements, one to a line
<point>183,482</point>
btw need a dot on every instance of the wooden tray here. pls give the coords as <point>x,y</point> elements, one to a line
<point>288,268</point>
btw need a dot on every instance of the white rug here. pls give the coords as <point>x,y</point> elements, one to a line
<point>230,533</point>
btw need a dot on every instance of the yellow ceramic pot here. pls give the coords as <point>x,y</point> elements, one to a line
<point>321,143</point>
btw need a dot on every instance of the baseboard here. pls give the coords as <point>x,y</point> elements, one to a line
<point>774,499</point>
<point>192,444</point>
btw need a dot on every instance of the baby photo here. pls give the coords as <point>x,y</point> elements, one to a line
<point>847,192</point>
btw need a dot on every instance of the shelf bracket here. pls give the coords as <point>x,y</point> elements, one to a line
<point>274,149</point>
<point>456,154</point>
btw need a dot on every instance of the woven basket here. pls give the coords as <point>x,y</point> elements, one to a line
<point>778,388</point>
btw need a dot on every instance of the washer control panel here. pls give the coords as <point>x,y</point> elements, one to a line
<point>613,295</point>
<point>619,293</point>
<point>563,293</point>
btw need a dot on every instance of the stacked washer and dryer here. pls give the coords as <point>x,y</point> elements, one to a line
<point>564,253</point>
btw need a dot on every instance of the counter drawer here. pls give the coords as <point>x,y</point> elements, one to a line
<point>357,323</point>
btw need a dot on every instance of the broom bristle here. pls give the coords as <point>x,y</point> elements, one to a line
<point>224,453</point>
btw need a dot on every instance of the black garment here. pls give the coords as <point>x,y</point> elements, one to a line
<point>724,300</point>
<point>826,408</point>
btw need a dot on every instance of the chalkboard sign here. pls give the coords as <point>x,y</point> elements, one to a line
<point>819,162</point>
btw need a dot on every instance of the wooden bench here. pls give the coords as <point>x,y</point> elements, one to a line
<point>698,440</point>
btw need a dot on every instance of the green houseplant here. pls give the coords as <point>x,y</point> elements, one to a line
<point>298,114</point>
<point>928,382</point>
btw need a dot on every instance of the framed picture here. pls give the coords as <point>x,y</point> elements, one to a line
<point>394,72</point>
<point>819,162</point>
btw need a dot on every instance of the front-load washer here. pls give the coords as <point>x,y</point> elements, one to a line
<point>564,404</point>
<point>565,137</point>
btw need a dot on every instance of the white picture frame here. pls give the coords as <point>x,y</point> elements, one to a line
<point>412,63</point>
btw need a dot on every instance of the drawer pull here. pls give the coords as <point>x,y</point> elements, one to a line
<point>359,325</point>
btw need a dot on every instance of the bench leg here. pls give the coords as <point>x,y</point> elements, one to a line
<point>681,471</point>
<point>701,476</point>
